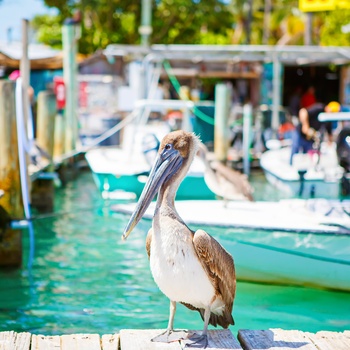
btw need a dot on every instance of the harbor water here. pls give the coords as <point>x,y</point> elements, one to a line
<point>83,278</point>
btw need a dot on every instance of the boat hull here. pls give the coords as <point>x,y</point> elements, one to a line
<point>308,177</point>
<point>192,187</point>
<point>119,174</point>
<point>280,242</point>
<point>272,264</point>
<point>308,188</point>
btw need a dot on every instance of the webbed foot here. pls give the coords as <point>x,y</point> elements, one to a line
<point>170,336</point>
<point>199,341</point>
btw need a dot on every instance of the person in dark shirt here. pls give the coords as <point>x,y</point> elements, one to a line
<point>309,128</point>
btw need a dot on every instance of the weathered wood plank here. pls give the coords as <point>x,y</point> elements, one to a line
<point>220,339</point>
<point>80,342</point>
<point>330,340</point>
<point>141,339</point>
<point>41,342</point>
<point>274,339</point>
<point>110,341</point>
<point>14,341</point>
<point>131,339</point>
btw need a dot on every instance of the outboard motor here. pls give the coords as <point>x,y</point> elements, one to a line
<point>343,154</point>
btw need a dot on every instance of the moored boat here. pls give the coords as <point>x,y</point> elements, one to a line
<point>300,242</point>
<point>310,175</point>
<point>121,172</point>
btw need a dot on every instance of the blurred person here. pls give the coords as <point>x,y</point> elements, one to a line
<point>294,102</point>
<point>308,131</point>
<point>308,98</point>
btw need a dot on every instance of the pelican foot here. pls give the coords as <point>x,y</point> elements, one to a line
<point>199,341</point>
<point>170,336</point>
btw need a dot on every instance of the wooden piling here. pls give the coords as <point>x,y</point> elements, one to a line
<point>42,194</point>
<point>11,201</point>
<point>59,136</point>
<point>70,72</point>
<point>25,71</point>
<point>46,117</point>
<point>247,136</point>
<point>221,117</point>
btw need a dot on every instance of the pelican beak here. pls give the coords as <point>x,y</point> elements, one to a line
<point>165,166</point>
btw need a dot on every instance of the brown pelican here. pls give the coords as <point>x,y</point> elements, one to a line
<point>224,181</point>
<point>189,267</point>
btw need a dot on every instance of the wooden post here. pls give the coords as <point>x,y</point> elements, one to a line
<point>308,29</point>
<point>70,81</point>
<point>220,127</point>
<point>43,189</point>
<point>247,137</point>
<point>277,77</point>
<point>59,136</point>
<point>146,22</point>
<point>10,240</point>
<point>46,117</point>
<point>25,70</point>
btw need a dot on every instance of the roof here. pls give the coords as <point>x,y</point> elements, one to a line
<point>40,56</point>
<point>288,55</point>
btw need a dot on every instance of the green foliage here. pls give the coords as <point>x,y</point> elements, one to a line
<point>189,22</point>
<point>48,30</point>
<point>331,31</point>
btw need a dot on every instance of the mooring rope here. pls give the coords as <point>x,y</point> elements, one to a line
<point>201,115</point>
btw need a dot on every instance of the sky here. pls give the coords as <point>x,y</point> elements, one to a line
<point>13,11</point>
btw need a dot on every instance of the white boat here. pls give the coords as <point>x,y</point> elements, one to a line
<point>121,172</point>
<point>295,241</point>
<point>310,175</point>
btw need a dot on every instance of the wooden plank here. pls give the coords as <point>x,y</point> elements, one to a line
<point>274,339</point>
<point>131,339</point>
<point>141,339</point>
<point>110,342</point>
<point>330,340</point>
<point>220,339</point>
<point>41,342</point>
<point>80,342</point>
<point>14,341</point>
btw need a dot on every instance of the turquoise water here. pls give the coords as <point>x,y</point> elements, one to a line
<point>85,279</point>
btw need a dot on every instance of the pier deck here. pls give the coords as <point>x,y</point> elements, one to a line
<point>273,339</point>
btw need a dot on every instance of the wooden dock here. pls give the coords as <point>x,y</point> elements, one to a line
<point>272,339</point>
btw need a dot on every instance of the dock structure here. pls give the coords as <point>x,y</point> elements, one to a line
<point>273,339</point>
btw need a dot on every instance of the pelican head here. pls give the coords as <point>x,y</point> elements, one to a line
<point>174,157</point>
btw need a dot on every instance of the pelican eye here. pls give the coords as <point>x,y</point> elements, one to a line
<point>167,150</point>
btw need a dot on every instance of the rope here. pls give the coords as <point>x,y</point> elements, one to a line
<point>99,139</point>
<point>201,115</point>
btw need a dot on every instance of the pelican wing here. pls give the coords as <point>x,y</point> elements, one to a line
<point>223,180</point>
<point>219,265</point>
<point>237,183</point>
